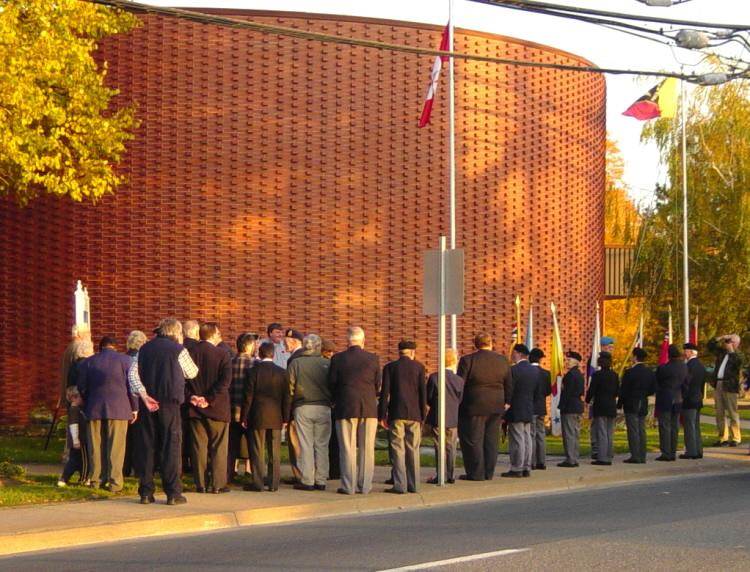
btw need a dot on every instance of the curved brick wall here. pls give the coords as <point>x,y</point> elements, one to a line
<point>281,179</point>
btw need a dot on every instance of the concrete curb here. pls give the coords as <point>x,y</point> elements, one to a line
<point>23,542</point>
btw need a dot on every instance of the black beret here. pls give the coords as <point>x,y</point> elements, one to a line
<point>606,355</point>
<point>521,349</point>
<point>290,333</point>
<point>574,355</point>
<point>407,345</point>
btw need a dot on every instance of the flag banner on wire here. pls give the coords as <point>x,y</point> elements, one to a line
<point>660,101</point>
<point>557,370</point>
<point>437,65</point>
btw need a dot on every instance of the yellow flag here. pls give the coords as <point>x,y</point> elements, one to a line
<point>666,97</point>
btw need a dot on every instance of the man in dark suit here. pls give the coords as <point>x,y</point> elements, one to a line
<point>403,407</point>
<point>538,430</point>
<point>488,380</point>
<point>109,407</point>
<point>163,366</point>
<point>265,411</point>
<point>354,378</point>
<point>671,378</point>
<point>454,392</point>
<point>209,420</point>
<point>638,382</point>
<point>692,402</point>
<point>571,409</point>
<point>526,390</point>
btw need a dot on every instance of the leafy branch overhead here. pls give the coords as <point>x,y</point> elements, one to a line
<point>59,133</point>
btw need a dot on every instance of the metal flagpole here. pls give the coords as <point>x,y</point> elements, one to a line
<point>685,275</point>
<point>452,158</point>
<point>441,369</point>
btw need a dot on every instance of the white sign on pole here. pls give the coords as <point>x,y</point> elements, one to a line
<point>82,306</point>
<point>453,261</point>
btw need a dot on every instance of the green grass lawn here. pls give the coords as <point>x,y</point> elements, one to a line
<point>42,489</point>
<point>744,413</point>
<point>22,449</point>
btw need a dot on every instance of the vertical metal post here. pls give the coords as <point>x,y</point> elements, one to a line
<point>685,274</point>
<point>441,369</point>
<point>452,158</point>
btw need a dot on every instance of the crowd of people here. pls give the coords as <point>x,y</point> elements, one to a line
<point>186,399</point>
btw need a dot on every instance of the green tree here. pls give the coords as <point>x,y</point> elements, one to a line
<point>718,142</point>
<point>58,133</point>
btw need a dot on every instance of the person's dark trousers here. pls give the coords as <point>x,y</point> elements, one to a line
<point>334,463</point>
<point>237,441</point>
<point>127,467</point>
<point>259,440</point>
<point>636,427</point>
<point>669,425</point>
<point>187,464</point>
<point>692,432</point>
<point>571,435</point>
<point>450,450</point>
<point>604,427</point>
<point>160,433</point>
<point>538,442</point>
<point>479,435</point>
<point>208,444</point>
<point>75,463</point>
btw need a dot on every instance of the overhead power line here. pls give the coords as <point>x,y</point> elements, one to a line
<point>203,18</point>
<point>533,4</point>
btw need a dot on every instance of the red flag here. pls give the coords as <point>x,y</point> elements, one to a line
<point>694,332</point>
<point>424,119</point>
<point>664,351</point>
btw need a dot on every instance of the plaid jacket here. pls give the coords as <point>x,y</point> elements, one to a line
<point>241,365</point>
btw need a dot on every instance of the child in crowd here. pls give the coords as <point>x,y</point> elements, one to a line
<point>78,441</point>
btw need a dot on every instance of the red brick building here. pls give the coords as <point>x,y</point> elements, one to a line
<point>279,179</point>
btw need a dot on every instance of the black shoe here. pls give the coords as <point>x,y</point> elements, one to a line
<point>288,480</point>
<point>540,467</point>
<point>388,482</point>
<point>663,458</point>
<point>319,487</point>
<point>451,481</point>
<point>631,460</point>
<point>526,473</point>
<point>252,488</point>
<point>699,456</point>
<point>394,491</point>
<point>221,491</point>
<point>342,491</point>
<point>512,474</point>
<point>177,499</point>
<point>301,487</point>
<point>724,444</point>
<point>148,499</point>
<point>200,490</point>
<point>567,465</point>
<point>733,443</point>
<point>686,456</point>
<point>432,481</point>
<point>601,463</point>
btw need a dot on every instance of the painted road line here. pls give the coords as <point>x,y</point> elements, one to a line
<point>459,560</point>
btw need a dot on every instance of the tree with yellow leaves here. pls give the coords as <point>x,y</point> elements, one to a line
<point>59,134</point>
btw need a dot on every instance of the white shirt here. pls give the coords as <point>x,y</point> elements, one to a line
<point>722,367</point>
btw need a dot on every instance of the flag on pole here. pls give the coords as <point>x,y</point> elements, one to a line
<point>664,350</point>
<point>694,331</point>
<point>670,323</point>
<point>639,334</point>
<point>596,348</point>
<point>557,370</point>
<point>515,335</point>
<point>437,65</point>
<point>530,329</point>
<point>660,101</point>
<point>513,341</point>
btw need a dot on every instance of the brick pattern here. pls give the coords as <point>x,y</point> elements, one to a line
<point>283,179</point>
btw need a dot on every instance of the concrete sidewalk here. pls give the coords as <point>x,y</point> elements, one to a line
<point>25,529</point>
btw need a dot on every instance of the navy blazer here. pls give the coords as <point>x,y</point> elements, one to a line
<point>638,382</point>
<point>572,391</point>
<point>526,390</point>
<point>489,383</point>
<point>603,391</point>
<point>404,391</point>
<point>670,379</point>
<point>266,401</point>
<point>354,377</point>
<point>454,392</point>
<point>692,395</point>
<point>545,390</point>
<point>103,384</point>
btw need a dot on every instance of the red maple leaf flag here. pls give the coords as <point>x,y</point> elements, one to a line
<point>424,119</point>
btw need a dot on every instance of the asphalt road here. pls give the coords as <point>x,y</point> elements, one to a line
<point>698,523</point>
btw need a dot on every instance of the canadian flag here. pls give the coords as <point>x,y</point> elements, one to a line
<point>424,119</point>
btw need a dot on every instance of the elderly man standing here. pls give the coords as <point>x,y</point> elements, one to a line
<point>571,409</point>
<point>538,431</point>
<point>311,404</point>
<point>726,391</point>
<point>488,379</point>
<point>638,382</point>
<point>671,378</point>
<point>103,384</point>
<point>210,413</point>
<point>403,408</point>
<point>354,376</point>
<point>293,346</point>
<point>162,367</point>
<point>526,390</point>
<point>692,402</point>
